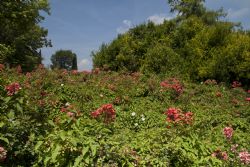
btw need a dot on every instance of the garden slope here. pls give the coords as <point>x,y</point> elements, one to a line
<point>50,121</point>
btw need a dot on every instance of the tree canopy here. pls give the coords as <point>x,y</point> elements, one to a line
<point>64,59</point>
<point>196,44</point>
<point>187,7</point>
<point>21,36</point>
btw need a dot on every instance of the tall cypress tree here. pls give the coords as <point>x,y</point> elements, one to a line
<point>74,63</point>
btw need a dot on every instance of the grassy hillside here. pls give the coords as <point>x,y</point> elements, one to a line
<point>107,118</point>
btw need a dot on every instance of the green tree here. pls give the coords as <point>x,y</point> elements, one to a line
<point>20,31</point>
<point>187,8</point>
<point>196,44</point>
<point>74,63</point>
<point>64,59</point>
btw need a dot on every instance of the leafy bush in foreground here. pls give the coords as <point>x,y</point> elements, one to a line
<point>63,118</point>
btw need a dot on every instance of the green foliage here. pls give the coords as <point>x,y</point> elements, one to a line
<point>20,31</point>
<point>64,59</point>
<point>19,124</point>
<point>48,122</point>
<point>160,59</point>
<point>187,8</point>
<point>74,63</point>
<point>75,147</point>
<point>226,61</point>
<point>195,44</point>
<point>4,53</point>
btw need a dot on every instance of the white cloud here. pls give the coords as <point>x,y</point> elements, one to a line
<point>127,24</point>
<point>235,14</point>
<point>159,18</point>
<point>84,64</point>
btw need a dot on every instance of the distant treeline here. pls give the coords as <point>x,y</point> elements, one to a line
<point>197,44</point>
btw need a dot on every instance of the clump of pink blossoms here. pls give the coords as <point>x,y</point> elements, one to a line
<point>107,110</point>
<point>3,153</point>
<point>173,84</point>
<point>12,88</point>
<point>220,155</point>
<point>228,132</point>
<point>236,84</point>
<point>244,157</point>
<point>175,115</point>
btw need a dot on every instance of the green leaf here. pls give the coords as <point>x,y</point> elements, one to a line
<point>2,124</point>
<point>51,122</point>
<point>4,139</point>
<point>13,15</point>
<point>62,135</point>
<point>46,160</point>
<point>78,160</point>
<point>85,150</point>
<point>130,164</point>
<point>19,108</point>
<point>7,99</point>
<point>11,115</point>
<point>38,144</point>
<point>32,137</point>
<point>78,122</point>
<point>93,149</point>
<point>55,153</point>
<point>20,100</point>
<point>87,159</point>
<point>73,141</point>
<point>105,130</point>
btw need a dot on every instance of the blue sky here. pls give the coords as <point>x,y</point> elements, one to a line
<point>83,25</point>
